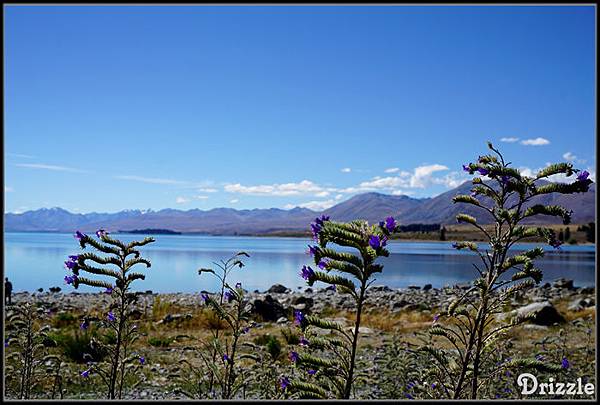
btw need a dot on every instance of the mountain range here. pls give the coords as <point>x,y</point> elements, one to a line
<point>228,221</point>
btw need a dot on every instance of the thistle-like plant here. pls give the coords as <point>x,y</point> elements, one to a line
<point>335,374</point>
<point>470,325</point>
<point>220,355</point>
<point>29,364</point>
<point>121,333</point>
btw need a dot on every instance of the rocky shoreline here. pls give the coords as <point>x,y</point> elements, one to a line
<point>278,302</point>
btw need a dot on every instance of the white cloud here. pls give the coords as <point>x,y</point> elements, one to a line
<point>44,166</point>
<point>423,175</point>
<point>19,155</point>
<point>392,170</point>
<point>313,205</point>
<point>322,194</point>
<point>201,197</point>
<point>558,178</point>
<point>304,187</point>
<point>535,142</point>
<point>235,200</point>
<point>8,189</point>
<point>402,192</point>
<point>339,197</point>
<point>569,157</point>
<point>346,170</point>
<point>207,190</point>
<point>152,180</point>
<point>182,200</point>
<point>509,139</point>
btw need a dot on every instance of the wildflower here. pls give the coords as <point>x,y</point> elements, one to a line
<point>384,241</point>
<point>111,317</point>
<point>466,168</point>
<point>78,235</point>
<point>101,232</point>
<point>226,358</point>
<point>474,193</point>
<point>246,330</point>
<point>299,317</point>
<point>307,273</point>
<point>73,258</point>
<point>374,242</point>
<point>410,385</point>
<point>507,373</point>
<point>332,288</point>
<point>583,176</point>
<point>407,395</point>
<point>69,279</point>
<point>312,250</point>
<point>108,290</point>
<point>70,264</point>
<point>323,263</point>
<point>565,363</point>
<point>390,224</point>
<point>539,357</point>
<point>483,171</point>
<point>205,297</point>
<point>315,231</point>
<point>86,373</point>
<point>507,390</point>
<point>84,325</point>
<point>321,221</point>
<point>505,180</point>
<point>433,385</point>
<point>284,382</point>
<point>293,357</point>
<point>5,342</point>
<point>303,341</point>
<point>436,317</point>
<point>228,296</point>
<point>142,360</point>
<point>312,372</point>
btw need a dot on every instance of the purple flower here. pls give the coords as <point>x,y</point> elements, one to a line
<point>293,357</point>
<point>238,286</point>
<point>307,273</point>
<point>73,258</point>
<point>483,171</point>
<point>142,359</point>
<point>374,242</point>
<point>323,263</point>
<point>433,385</point>
<point>70,279</point>
<point>284,382</point>
<point>473,193</point>
<point>312,250</point>
<point>436,317</point>
<point>466,168</point>
<point>101,232</point>
<point>84,325</point>
<point>312,372</point>
<point>86,373</point>
<point>5,342</point>
<point>78,235</point>
<point>407,395</point>
<point>332,288</point>
<point>70,264</point>
<point>539,357</point>
<point>315,231</point>
<point>246,330</point>
<point>228,296</point>
<point>384,240</point>
<point>111,317</point>
<point>582,176</point>
<point>565,363</point>
<point>390,224</point>
<point>226,358</point>
<point>205,297</point>
<point>504,180</point>
<point>303,341</point>
<point>299,317</point>
<point>108,290</point>
<point>321,220</point>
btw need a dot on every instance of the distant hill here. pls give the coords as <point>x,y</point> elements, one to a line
<point>227,221</point>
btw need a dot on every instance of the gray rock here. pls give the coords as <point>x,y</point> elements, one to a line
<point>282,320</point>
<point>277,289</point>
<point>545,313</point>
<point>563,283</point>
<point>427,287</point>
<point>414,287</point>
<point>268,309</point>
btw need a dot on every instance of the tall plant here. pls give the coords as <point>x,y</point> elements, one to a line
<point>470,324</point>
<point>27,354</point>
<point>121,332</point>
<point>335,375</point>
<point>220,355</point>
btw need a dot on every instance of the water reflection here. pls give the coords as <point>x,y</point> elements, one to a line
<point>34,260</point>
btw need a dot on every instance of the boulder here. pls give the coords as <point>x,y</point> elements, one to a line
<point>427,287</point>
<point>580,303</point>
<point>268,309</point>
<point>545,313</point>
<point>277,289</point>
<point>380,288</point>
<point>563,283</point>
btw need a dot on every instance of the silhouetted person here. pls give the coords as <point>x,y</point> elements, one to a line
<point>7,291</point>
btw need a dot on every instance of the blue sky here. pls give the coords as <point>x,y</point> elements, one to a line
<point>111,108</point>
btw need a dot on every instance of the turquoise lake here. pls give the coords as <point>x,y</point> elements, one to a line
<point>35,260</point>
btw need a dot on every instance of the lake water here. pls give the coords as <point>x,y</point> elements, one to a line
<point>34,260</point>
